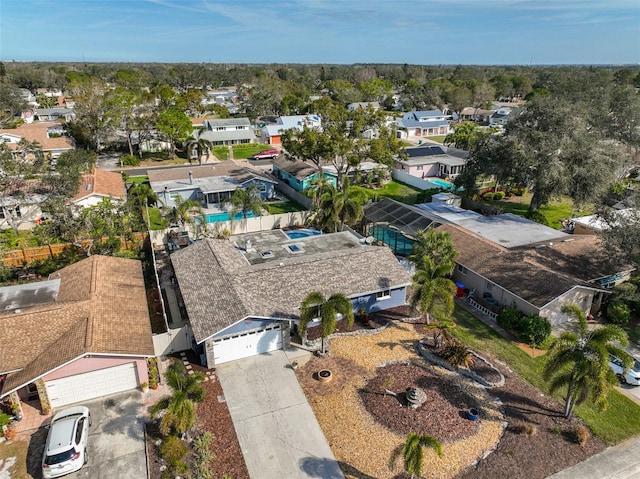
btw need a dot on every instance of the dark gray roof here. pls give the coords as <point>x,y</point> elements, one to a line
<point>296,168</point>
<point>211,123</point>
<point>220,287</point>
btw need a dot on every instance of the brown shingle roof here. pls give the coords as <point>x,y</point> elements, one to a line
<point>37,131</point>
<point>101,183</point>
<point>101,308</point>
<point>537,275</point>
<point>220,287</point>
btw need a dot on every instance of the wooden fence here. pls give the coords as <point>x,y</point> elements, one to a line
<point>20,257</point>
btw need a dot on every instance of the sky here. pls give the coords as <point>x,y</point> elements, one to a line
<point>422,32</point>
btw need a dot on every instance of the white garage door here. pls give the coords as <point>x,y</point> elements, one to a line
<point>85,386</point>
<point>244,345</point>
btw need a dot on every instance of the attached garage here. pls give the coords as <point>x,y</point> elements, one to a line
<point>245,344</point>
<point>85,386</point>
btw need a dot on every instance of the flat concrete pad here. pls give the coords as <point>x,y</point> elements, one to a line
<point>277,430</point>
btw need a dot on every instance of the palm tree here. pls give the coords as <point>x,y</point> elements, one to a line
<point>316,306</point>
<point>318,187</point>
<point>437,244</point>
<point>245,200</point>
<point>198,145</point>
<point>183,212</point>
<point>337,207</point>
<point>413,452</point>
<point>431,288</point>
<point>579,361</point>
<point>180,407</point>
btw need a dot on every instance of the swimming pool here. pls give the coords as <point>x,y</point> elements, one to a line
<point>302,233</point>
<point>440,183</point>
<point>214,218</point>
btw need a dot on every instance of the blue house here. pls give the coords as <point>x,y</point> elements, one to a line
<point>210,185</point>
<point>299,175</point>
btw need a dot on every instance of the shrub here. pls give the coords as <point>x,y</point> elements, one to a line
<point>457,354</point>
<point>498,195</point>
<point>204,456</point>
<point>488,196</point>
<point>509,318</point>
<point>534,329</point>
<point>618,312</point>
<point>173,451</point>
<point>129,160</point>
<point>556,429</point>
<point>537,217</point>
<point>582,435</point>
<point>4,420</point>
<point>526,428</point>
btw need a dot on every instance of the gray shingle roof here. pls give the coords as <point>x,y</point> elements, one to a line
<point>219,286</point>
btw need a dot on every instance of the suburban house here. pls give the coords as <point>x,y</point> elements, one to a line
<point>54,114</point>
<point>416,124</point>
<point>64,339</point>
<point>431,161</point>
<point>478,115</point>
<point>272,133</point>
<point>227,131</point>
<point>242,296</point>
<point>298,174</point>
<point>210,185</point>
<point>51,137</point>
<point>502,116</point>
<point>20,204</point>
<point>99,185</point>
<point>364,105</point>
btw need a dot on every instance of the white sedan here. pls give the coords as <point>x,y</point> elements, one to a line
<point>632,377</point>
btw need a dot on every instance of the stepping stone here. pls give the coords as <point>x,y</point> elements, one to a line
<point>190,372</point>
<point>221,398</point>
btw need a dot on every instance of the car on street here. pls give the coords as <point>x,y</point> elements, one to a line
<point>266,155</point>
<point>66,446</point>
<point>632,377</point>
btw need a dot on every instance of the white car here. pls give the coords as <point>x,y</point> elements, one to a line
<point>633,374</point>
<point>66,447</point>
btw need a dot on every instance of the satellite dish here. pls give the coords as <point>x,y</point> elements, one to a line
<point>369,240</point>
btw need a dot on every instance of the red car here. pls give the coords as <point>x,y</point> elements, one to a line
<point>266,155</point>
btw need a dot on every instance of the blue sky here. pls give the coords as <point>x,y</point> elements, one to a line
<point>428,32</point>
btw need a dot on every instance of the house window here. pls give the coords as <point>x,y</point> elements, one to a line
<point>384,294</point>
<point>462,269</point>
<point>261,187</point>
<point>489,286</point>
<point>420,168</point>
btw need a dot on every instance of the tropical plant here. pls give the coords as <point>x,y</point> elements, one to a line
<point>413,452</point>
<point>437,245</point>
<point>180,406</point>
<point>316,307</point>
<point>184,212</point>
<point>534,329</point>
<point>579,361</point>
<point>432,291</point>
<point>442,331</point>
<point>198,145</point>
<point>245,200</point>
<point>173,450</point>
<point>337,208</point>
<point>457,354</point>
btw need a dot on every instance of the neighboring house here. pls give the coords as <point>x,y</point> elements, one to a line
<point>29,97</point>
<point>417,124</point>
<point>478,115</point>
<point>430,161</point>
<point>299,175</point>
<point>502,116</point>
<point>64,341</point>
<point>20,204</point>
<point>55,114</point>
<point>99,185</point>
<point>209,185</point>
<point>364,105</point>
<point>243,295</point>
<point>272,134</point>
<point>228,131</point>
<point>51,136</point>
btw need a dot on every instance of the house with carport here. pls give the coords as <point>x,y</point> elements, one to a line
<point>242,296</point>
<point>81,334</point>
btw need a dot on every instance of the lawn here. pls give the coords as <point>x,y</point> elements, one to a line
<point>248,150</point>
<point>619,422</point>
<point>137,180</point>
<point>18,450</point>
<point>394,190</point>
<point>289,206</point>
<point>221,152</point>
<point>555,211</point>
<point>156,221</point>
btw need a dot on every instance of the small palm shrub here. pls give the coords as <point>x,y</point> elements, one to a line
<point>458,355</point>
<point>173,450</point>
<point>618,313</point>
<point>582,435</point>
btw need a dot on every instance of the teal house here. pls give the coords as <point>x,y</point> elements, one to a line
<point>299,175</point>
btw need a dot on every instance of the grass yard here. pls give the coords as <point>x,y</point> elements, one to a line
<point>137,180</point>
<point>394,190</point>
<point>13,459</point>
<point>155,220</point>
<point>249,149</point>
<point>289,206</point>
<point>221,152</point>
<point>620,421</point>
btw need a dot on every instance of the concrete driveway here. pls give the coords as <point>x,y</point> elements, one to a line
<point>276,428</point>
<point>116,440</point>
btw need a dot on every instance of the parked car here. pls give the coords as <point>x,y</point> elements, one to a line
<point>66,447</point>
<point>266,155</point>
<point>633,374</point>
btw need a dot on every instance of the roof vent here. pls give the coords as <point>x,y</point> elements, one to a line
<point>540,246</point>
<point>267,254</point>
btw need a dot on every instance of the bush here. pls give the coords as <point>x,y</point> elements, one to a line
<point>498,195</point>
<point>534,329</point>
<point>582,435</point>
<point>5,419</point>
<point>537,217</point>
<point>618,312</point>
<point>458,355</point>
<point>173,451</point>
<point>204,456</point>
<point>488,196</point>
<point>509,318</point>
<point>526,428</point>
<point>129,160</point>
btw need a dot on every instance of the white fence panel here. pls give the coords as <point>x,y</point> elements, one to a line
<point>174,340</point>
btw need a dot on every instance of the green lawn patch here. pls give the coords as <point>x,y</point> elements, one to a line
<point>248,150</point>
<point>156,221</point>
<point>394,190</point>
<point>284,207</point>
<point>221,152</point>
<point>137,180</point>
<point>437,139</point>
<point>619,422</point>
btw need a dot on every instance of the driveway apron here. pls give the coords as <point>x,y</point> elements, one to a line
<point>277,430</point>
